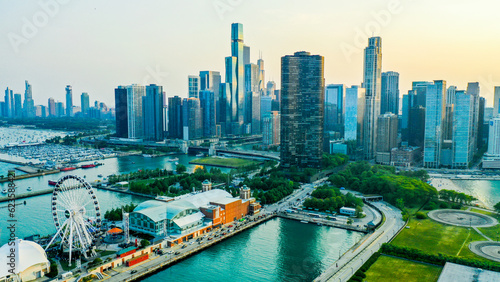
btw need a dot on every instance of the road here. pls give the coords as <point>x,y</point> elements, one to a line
<point>353,259</point>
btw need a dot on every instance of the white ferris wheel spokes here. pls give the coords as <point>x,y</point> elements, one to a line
<point>76,213</point>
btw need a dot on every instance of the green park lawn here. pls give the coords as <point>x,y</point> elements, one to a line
<point>224,162</point>
<point>495,215</point>
<point>433,237</point>
<point>388,268</point>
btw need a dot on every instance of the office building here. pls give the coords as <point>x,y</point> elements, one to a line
<point>387,134</point>
<point>473,90</point>
<point>496,101</point>
<point>354,111</point>
<point>52,108</point>
<point>193,86</point>
<point>18,106</point>
<point>434,118</point>
<point>175,123</point>
<point>271,128</point>
<point>9,103</point>
<point>134,111</point>
<point>270,88</point>
<point>334,108</point>
<point>491,159</point>
<point>59,109</point>
<point>191,119</point>
<point>262,76</point>
<point>463,134</point>
<point>372,83</point>
<point>69,101</point>
<point>252,102</point>
<point>302,110</point>
<point>121,111</point>
<point>152,109</point>
<point>207,107</point>
<point>85,103</point>
<point>211,80</point>
<point>29,104</point>
<point>480,141</point>
<point>389,99</point>
<point>416,128</point>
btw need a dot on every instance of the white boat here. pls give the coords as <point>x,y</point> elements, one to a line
<point>200,155</point>
<point>4,191</point>
<point>176,163</point>
<point>303,221</point>
<point>173,160</point>
<point>147,155</point>
<point>30,189</point>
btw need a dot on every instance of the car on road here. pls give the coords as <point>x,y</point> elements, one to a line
<point>191,243</point>
<point>133,271</point>
<point>176,253</point>
<point>184,246</point>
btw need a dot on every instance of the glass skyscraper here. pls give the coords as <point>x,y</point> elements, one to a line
<point>334,108</point>
<point>121,111</point>
<point>134,111</point>
<point>152,110</point>
<point>354,110</point>
<point>372,84</point>
<point>434,119</point>
<point>85,103</point>
<point>207,107</point>
<point>175,117</point>
<point>29,103</point>
<point>463,135</point>
<point>69,101</point>
<point>193,86</point>
<point>302,110</point>
<point>389,99</point>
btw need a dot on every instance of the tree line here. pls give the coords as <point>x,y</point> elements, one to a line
<point>116,214</point>
<point>269,190</point>
<point>327,198</point>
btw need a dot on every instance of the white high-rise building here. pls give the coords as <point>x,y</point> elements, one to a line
<point>194,86</point>
<point>134,110</point>
<point>434,118</point>
<point>372,76</point>
<point>496,101</point>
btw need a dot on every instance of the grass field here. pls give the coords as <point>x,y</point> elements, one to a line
<point>224,162</point>
<point>433,237</point>
<point>394,269</point>
<point>495,215</point>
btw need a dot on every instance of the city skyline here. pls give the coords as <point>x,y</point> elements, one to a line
<point>299,28</point>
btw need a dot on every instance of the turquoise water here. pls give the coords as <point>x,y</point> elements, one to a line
<point>485,190</point>
<point>278,250</point>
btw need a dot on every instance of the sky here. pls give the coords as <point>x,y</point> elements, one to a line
<point>97,45</point>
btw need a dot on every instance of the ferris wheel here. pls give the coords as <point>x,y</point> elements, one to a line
<point>76,214</point>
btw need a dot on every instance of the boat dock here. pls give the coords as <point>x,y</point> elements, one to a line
<point>321,221</point>
<point>27,195</point>
<point>29,175</point>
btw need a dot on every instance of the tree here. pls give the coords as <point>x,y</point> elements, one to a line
<point>145,243</point>
<point>497,207</point>
<point>181,168</point>
<point>349,221</point>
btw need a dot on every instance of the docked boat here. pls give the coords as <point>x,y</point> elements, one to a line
<point>173,160</point>
<point>30,189</point>
<point>176,163</point>
<point>303,221</point>
<point>4,191</point>
<point>99,175</point>
<point>147,155</point>
<point>52,183</point>
<point>68,168</point>
<point>89,166</point>
<point>200,155</point>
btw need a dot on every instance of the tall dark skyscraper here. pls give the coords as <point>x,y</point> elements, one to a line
<point>18,106</point>
<point>85,103</point>
<point>334,108</point>
<point>152,112</point>
<point>69,101</point>
<point>175,117</point>
<point>9,103</point>
<point>211,80</point>
<point>302,109</point>
<point>121,112</point>
<point>389,99</point>
<point>207,108</point>
<point>372,84</point>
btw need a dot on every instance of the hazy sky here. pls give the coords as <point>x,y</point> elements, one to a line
<point>97,45</point>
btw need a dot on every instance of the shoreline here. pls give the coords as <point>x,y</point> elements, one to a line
<point>446,183</point>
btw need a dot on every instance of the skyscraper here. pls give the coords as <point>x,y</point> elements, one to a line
<point>121,112</point>
<point>192,128</point>
<point>18,106</point>
<point>252,102</point>
<point>271,128</point>
<point>193,86</point>
<point>85,103</point>
<point>448,117</point>
<point>434,118</point>
<point>152,111</point>
<point>463,133</point>
<point>207,108</point>
<point>354,110</point>
<point>9,103</point>
<point>334,108</point>
<point>496,101</point>
<point>235,75</point>
<point>387,132</point>
<point>492,157</point>
<point>211,80</point>
<point>389,100</point>
<point>29,104</point>
<point>69,101</point>
<point>59,109</point>
<point>134,111</point>
<point>175,117</point>
<point>302,109</point>
<point>271,86</point>
<point>473,90</point>
<point>52,108</point>
<point>372,84</point>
